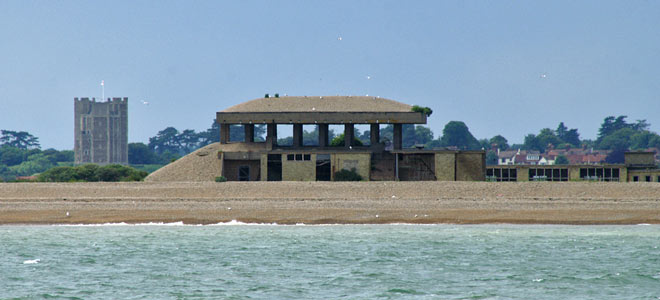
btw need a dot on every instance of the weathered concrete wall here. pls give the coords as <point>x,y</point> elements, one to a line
<point>299,170</point>
<point>101,131</point>
<point>639,158</point>
<point>230,169</point>
<point>623,174</point>
<point>382,167</point>
<point>470,166</point>
<point>360,161</point>
<point>264,167</point>
<point>445,166</point>
<point>641,175</point>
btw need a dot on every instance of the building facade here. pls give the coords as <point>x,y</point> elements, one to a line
<point>250,159</point>
<point>101,131</point>
<point>638,167</point>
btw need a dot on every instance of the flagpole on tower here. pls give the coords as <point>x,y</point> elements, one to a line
<point>102,90</point>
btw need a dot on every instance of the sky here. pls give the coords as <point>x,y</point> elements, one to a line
<point>502,67</point>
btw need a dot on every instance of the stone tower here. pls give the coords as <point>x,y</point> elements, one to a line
<point>101,131</point>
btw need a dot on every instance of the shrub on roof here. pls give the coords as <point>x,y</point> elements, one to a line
<point>425,110</point>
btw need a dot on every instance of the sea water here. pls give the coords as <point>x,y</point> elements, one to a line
<point>329,262</point>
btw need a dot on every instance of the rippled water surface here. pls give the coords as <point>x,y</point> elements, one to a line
<point>342,261</point>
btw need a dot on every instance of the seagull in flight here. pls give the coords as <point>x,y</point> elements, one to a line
<point>145,102</point>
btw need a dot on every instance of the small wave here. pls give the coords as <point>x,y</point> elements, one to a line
<point>234,223</point>
<point>127,224</point>
<point>31,261</point>
<point>405,291</point>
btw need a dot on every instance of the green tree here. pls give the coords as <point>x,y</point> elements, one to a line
<point>18,139</point>
<point>211,135</point>
<point>533,143</point>
<point>140,154</point>
<point>423,135</point>
<point>5,173</point>
<point>11,156</point>
<point>644,139</point>
<point>617,156</point>
<point>457,134</point>
<point>561,160</point>
<point>166,140</point>
<point>547,137</point>
<point>500,141</point>
<point>412,135</point>
<point>491,158</point>
<point>338,141</point>
<point>618,140</point>
<point>569,136</point>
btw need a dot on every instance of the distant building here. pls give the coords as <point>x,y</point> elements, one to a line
<point>252,160</point>
<point>638,166</point>
<point>101,131</point>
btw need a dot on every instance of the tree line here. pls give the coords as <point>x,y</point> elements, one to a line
<point>21,154</point>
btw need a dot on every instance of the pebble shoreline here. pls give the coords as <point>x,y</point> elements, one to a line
<point>331,202</point>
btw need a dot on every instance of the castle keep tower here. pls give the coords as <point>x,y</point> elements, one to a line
<point>101,131</point>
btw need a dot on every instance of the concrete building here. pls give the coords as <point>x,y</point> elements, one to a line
<point>101,131</point>
<point>638,166</point>
<point>250,160</point>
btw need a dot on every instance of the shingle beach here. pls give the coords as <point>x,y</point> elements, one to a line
<point>331,202</point>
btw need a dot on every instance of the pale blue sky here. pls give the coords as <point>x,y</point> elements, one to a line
<point>502,67</point>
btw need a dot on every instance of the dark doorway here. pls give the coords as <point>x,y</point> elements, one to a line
<point>274,167</point>
<point>323,167</point>
<point>244,173</point>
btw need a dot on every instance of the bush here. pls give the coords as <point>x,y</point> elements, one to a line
<point>220,179</point>
<point>346,175</point>
<point>92,172</point>
<point>425,110</point>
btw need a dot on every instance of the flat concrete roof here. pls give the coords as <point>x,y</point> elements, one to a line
<point>321,109</point>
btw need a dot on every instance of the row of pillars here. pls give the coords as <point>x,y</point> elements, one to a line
<point>349,134</point>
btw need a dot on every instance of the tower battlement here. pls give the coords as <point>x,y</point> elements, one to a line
<point>101,131</point>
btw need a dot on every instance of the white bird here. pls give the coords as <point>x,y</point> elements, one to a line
<point>339,38</point>
<point>145,102</point>
<point>31,261</point>
<point>67,213</point>
<point>368,77</point>
<point>544,75</point>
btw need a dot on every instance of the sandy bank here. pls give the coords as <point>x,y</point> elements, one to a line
<point>331,202</point>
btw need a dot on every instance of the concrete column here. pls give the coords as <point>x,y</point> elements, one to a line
<point>249,133</point>
<point>297,135</point>
<point>224,133</point>
<point>323,135</point>
<point>375,134</point>
<point>271,135</point>
<point>348,135</point>
<point>398,136</point>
